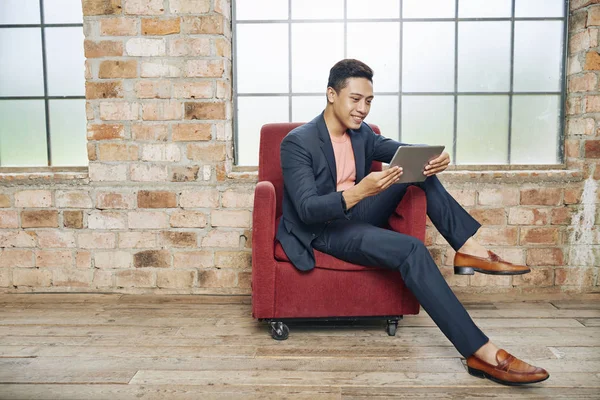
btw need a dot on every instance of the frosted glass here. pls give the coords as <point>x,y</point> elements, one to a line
<point>68,132</point>
<point>484,8</point>
<point>23,133</point>
<point>484,56</point>
<point>15,12</point>
<point>384,113</point>
<point>374,9</point>
<point>418,126</point>
<point>317,9</point>
<point>261,9</point>
<point>253,113</point>
<point>262,58</point>
<point>538,49</point>
<point>305,108</point>
<point>428,57</point>
<point>429,9</point>
<point>482,136</point>
<point>315,49</point>
<point>63,12</point>
<point>540,8</point>
<point>381,55</point>
<point>65,61</point>
<point>22,71</point>
<point>535,130</point>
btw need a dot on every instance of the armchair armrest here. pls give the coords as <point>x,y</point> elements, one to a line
<point>410,214</point>
<point>263,247</point>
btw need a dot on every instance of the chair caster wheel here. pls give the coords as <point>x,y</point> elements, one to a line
<point>279,330</point>
<point>391,327</point>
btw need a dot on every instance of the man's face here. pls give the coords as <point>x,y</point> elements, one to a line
<point>352,104</point>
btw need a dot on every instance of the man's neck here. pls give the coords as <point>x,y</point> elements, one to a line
<point>335,128</point>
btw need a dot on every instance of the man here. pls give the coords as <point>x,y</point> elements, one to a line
<point>333,204</point>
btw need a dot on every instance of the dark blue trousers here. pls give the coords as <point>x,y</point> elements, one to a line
<point>362,240</point>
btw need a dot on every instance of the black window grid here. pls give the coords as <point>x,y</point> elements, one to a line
<point>512,19</point>
<point>42,25</point>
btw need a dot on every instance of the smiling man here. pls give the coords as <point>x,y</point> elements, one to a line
<point>333,203</point>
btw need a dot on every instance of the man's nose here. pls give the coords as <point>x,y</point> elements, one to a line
<point>362,107</point>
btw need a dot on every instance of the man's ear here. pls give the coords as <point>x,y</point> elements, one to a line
<point>330,94</point>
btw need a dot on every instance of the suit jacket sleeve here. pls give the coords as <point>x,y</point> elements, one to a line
<point>299,182</point>
<point>385,148</point>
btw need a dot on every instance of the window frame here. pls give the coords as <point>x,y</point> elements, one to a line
<point>510,93</point>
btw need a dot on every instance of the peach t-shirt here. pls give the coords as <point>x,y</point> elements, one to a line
<point>344,162</point>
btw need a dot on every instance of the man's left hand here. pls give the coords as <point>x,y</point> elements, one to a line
<point>438,164</point>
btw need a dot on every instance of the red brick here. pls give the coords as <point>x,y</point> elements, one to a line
<point>592,149</point>
<point>593,15</point>
<point>55,238</point>
<point>117,152</point>
<point>538,277</point>
<point>205,111</point>
<point>135,278</point>
<point>33,198</point>
<point>574,276</point>
<point>541,196</point>
<point>53,258</point>
<point>580,126</point>
<point>572,195</point>
<point>502,197</point>
<point>539,236</point>
<point>9,219</point>
<point>153,89</point>
<point>148,199</point>
<point>573,148</point>
<point>578,21</point>
<point>207,153</point>
<point>39,219</point>
<point>149,132</point>
<point>218,238</point>
<point>175,279</point>
<point>188,219</point>
<point>101,7</point>
<point>117,69</point>
<point>184,174</point>
<point>545,257</point>
<point>211,24</point>
<point>107,200</point>
<point>16,258</point>
<point>96,240</point>
<point>162,110</point>
<point>105,132</point>
<point>160,26</point>
<point>206,198</point>
<point>4,201</point>
<point>528,216</point>
<point>32,277</point>
<point>574,105</point>
<point>192,132</point>
<point>204,68</point>
<point>193,259</point>
<point>237,218</point>
<point>233,259</point>
<point>178,239</point>
<point>152,259</point>
<point>217,279</point>
<point>562,216</point>
<point>497,236</point>
<point>118,27</point>
<point>137,240</point>
<point>105,48</point>
<point>584,83</point>
<point>103,90</point>
<point>489,216</point>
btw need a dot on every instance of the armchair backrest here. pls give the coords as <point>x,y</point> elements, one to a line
<point>269,156</point>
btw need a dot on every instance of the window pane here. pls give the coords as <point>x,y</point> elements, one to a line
<point>418,126</point>
<point>63,12</point>
<point>483,56</point>
<point>253,113</point>
<point>428,57</point>
<point>373,9</point>
<point>540,8</point>
<point>484,8</point>
<point>311,63</point>
<point>23,133</point>
<point>384,113</point>
<point>429,9</point>
<point>538,50</point>
<point>261,9</point>
<point>377,44</point>
<point>22,72</point>
<point>14,12</point>
<point>535,130</point>
<point>65,61</point>
<point>262,58</point>
<point>305,108</point>
<point>67,132</point>
<point>317,9</point>
<point>482,136</point>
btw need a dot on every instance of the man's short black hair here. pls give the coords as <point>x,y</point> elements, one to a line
<point>348,68</point>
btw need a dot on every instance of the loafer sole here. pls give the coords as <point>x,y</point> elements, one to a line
<point>472,270</point>
<point>482,374</point>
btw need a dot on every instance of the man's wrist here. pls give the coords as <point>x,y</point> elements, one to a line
<point>351,196</point>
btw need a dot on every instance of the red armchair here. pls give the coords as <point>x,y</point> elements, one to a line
<point>334,289</point>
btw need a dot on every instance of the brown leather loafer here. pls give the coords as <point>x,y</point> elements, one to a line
<point>465,264</point>
<point>509,371</point>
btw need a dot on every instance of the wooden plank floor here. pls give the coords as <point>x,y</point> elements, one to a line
<point>102,346</point>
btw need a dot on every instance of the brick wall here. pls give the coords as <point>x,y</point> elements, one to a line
<point>162,210</point>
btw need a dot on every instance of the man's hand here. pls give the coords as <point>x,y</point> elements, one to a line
<point>437,165</point>
<point>372,184</point>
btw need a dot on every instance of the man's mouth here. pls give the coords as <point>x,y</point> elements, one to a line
<point>356,119</point>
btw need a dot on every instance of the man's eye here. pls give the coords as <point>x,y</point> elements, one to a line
<point>355,99</point>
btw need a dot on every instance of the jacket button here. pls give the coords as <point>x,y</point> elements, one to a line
<point>314,235</point>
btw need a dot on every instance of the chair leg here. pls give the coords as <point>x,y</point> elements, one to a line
<point>392,325</point>
<point>279,330</point>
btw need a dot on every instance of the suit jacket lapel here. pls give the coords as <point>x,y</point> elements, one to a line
<point>327,147</point>
<point>358,147</point>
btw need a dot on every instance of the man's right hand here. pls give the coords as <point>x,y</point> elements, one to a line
<point>372,184</point>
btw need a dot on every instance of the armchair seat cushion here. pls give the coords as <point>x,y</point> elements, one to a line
<point>324,261</point>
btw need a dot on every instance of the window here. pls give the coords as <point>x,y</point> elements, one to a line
<point>485,78</point>
<point>42,84</point>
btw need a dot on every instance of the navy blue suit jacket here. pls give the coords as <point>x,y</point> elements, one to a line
<point>310,196</point>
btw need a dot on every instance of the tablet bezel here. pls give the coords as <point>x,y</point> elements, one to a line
<point>414,159</point>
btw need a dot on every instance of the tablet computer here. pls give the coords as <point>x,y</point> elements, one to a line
<point>413,160</point>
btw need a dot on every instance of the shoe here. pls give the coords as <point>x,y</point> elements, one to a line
<point>466,264</point>
<point>510,370</point>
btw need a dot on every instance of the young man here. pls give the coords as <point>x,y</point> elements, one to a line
<point>333,204</point>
